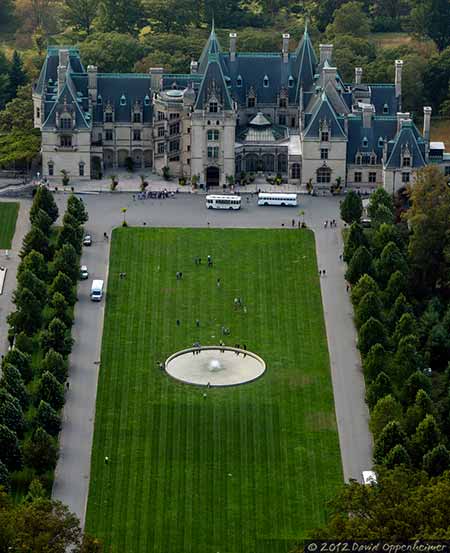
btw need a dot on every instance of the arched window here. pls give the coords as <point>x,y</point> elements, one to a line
<point>385,109</point>
<point>123,100</point>
<point>290,81</point>
<point>365,142</point>
<point>51,169</point>
<point>282,163</point>
<point>147,100</point>
<point>99,100</point>
<point>266,81</point>
<point>239,81</point>
<point>81,168</point>
<point>295,171</point>
<point>323,175</point>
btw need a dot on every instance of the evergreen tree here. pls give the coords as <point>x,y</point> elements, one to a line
<point>391,435</point>
<point>66,262</point>
<point>417,381</point>
<point>28,316</point>
<point>376,361</point>
<point>360,264</point>
<point>387,409</point>
<point>351,208</point>
<point>364,285</point>
<point>372,332</point>
<point>11,414</point>
<point>407,359</point>
<point>355,239</point>
<point>72,236</point>
<point>406,326</point>
<point>437,461</point>
<point>28,280</point>
<point>369,306</point>
<point>51,391</point>
<point>398,456</point>
<point>379,388</point>
<point>40,451</point>
<point>390,261</point>
<point>427,437</point>
<point>438,347</point>
<point>43,199</point>
<point>57,337</point>
<point>21,361</point>
<point>42,221</point>
<point>48,418</point>
<point>60,310</point>
<point>64,286</point>
<point>76,208</point>
<point>387,233</point>
<point>24,343</point>
<point>36,240</point>
<point>35,263</point>
<point>55,364</point>
<point>397,284</point>
<point>400,307</point>
<point>10,454</point>
<point>17,76</point>
<point>12,382</point>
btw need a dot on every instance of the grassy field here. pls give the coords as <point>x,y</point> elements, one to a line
<point>249,468</point>
<point>8,216</point>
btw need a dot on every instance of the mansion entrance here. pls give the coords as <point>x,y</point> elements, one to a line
<point>212,176</point>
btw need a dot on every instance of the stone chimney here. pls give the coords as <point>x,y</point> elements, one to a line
<point>92,82</point>
<point>358,75</point>
<point>63,61</point>
<point>367,111</point>
<point>233,40</point>
<point>398,78</point>
<point>285,50</point>
<point>402,116</point>
<point>156,74</point>
<point>194,67</point>
<point>326,53</point>
<point>329,75</point>
<point>426,122</point>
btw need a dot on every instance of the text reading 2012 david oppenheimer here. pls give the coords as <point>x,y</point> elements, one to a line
<point>377,546</point>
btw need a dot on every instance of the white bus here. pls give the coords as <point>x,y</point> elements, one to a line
<point>223,202</point>
<point>267,198</point>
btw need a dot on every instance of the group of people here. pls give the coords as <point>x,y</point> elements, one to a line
<point>329,224</point>
<point>154,194</point>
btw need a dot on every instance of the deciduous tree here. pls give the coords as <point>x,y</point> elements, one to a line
<point>40,451</point>
<point>57,337</point>
<point>391,435</point>
<point>372,332</point>
<point>48,418</point>
<point>50,390</point>
<point>386,410</point>
<point>10,454</point>
<point>360,264</point>
<point>351,208</point>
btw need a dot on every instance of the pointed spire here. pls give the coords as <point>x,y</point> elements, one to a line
<point>305,63</point>
<point>212,46</point>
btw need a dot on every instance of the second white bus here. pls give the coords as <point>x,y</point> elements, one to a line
<point>223,202</point>
<point>266,198</point>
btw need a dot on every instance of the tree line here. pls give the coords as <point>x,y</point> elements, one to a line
<point>34,370</point>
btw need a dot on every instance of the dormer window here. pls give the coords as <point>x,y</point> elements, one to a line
<point>65,122</point>
<point>251,102</point>
<point>290,81</point>
<point>266,81</point>
<point>108,117</point>
<point>385,109</point>
<point>239,81</point>
<point>283,102</point>
<point>365,142</point>
<point>99,100</point>
<point>406,161</point>
<point>136,117</point>
<point>358,159</point>
<point>213,107</point>
<point>123,100</point>
<point>147,100</point>
<point>324,136</point>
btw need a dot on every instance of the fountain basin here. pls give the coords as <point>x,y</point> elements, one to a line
<point>215,366</point>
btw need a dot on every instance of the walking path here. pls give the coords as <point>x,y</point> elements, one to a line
<point>11,263</point>
<point>348,382</point>
<point>105,212</point>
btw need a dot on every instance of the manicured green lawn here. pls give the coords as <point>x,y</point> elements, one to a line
<point>8,216</point>
<point>247,469</point>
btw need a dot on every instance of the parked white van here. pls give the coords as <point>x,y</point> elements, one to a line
<point>97,290</point>
<point>369,477</point>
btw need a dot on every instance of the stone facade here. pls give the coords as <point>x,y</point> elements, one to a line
<point>282,113</point>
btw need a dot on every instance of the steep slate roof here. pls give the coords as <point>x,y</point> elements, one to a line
<point>326,112</point>
<point>408,136</point>
<point>214,77</point>
<point>381,127</point>
<point>212,46</point>
<point>304,64</point>
<point>66,97</point>
<point>381,95</point>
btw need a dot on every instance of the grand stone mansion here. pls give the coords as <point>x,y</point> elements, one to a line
<point>279,113</point>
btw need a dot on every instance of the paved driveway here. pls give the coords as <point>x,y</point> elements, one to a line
<point>72,474</point>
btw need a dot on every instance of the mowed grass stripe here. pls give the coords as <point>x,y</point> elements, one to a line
<point>8,218</point>
<point>167,487</point>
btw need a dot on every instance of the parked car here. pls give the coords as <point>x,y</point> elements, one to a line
<point>84,273</point>
<point>87,240</point>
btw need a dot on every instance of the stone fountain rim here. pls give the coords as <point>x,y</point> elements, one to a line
<point>219,348</point>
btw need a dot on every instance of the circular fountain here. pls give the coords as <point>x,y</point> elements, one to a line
<point>215,366</point>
